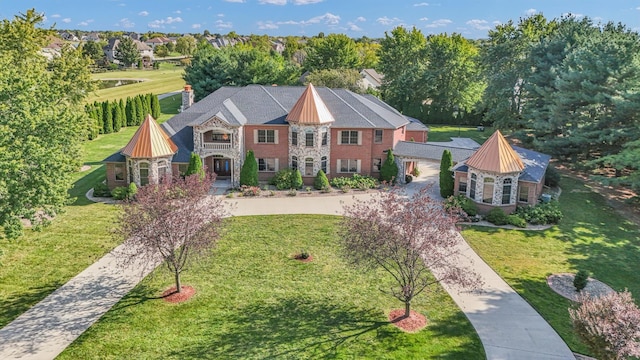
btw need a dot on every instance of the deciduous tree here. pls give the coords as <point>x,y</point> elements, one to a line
<point>336,51</point>
<point>174,220</point>
<point>407,237</point>
<point>337,79</point>
<point>186,45</point>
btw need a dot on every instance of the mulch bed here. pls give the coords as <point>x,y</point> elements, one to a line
<point>170,295</point>
<point>412,324</point>
<point>563,285</point>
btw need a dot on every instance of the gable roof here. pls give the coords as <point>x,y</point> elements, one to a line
<point>310,109</point>
<point>149,141</point>
<point>496,156</point>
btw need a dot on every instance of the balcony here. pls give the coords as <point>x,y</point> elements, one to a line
<point>217,145</point>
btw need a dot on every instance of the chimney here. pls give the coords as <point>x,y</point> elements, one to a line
<point>187,97</point>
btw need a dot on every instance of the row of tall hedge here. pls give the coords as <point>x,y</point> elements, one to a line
<point>110,116</point>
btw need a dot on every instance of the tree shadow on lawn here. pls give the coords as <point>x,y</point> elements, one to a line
<point>14,305</point>
<point>299,328</point>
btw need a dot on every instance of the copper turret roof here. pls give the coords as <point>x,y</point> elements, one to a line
<point>149,141</point>
<point>310,109</point>
<point>496,156</point>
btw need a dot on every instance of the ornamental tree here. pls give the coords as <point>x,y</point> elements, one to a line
<point>446,175</point>
<point>408,237</point>
<point>249,171</point>
<point>609,325</point>
<point>174,221</point>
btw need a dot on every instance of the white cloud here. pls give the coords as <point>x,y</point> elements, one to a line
<point>66,20</point>
<point>273,2</point>
<point>235,1</point>
<point>196,26</point>
<point>143,13</point>
<point>328,19</point>
<point>479,24</point>
<point>531,12</point>
<point>155,24</point>
<point>571,15</point>
<point>361,19</point>
<point>122,4</point>
<point>353,27</point>
<point>220,15</point>
<point>439,23</point>
<point>177,12</point>
<point>125,23</point>
<point>388,21</point>
<point>421,4</point>
<point>267,25</point>
<point>219,24</point>
<point>58,15</point>
<point>424,19</point>
<point>306,2</point>
<point>85,23</point>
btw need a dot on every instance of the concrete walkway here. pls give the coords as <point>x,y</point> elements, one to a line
<point>508,326</point>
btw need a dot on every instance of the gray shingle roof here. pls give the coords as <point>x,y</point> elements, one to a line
<point>431,151</point>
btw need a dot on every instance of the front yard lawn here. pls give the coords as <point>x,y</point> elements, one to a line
<point>591,236</point>
<point>254,301</point>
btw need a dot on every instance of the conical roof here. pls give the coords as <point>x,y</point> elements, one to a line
<point>496,156</point>
<point>310,109</point>
<point>149,141</point>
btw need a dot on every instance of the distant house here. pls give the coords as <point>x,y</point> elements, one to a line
<point>158,41</point>
<point>146,52</point>
<point>370,79</point>
<point>68,36</point>
<point>334,130</point>
<point>94,36</point>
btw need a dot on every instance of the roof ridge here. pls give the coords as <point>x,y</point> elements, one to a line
<point>274,99</point>
<point>352,108</point>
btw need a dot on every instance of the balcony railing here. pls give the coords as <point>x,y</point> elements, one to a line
<point>217,145</point>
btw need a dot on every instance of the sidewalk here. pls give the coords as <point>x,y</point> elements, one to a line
<point>508,326</point>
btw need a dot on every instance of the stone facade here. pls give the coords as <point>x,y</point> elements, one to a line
<point>154,164</point>
<point>315,152</point>
<point>234,152</point>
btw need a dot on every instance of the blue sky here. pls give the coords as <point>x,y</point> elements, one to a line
<point>356,18</point>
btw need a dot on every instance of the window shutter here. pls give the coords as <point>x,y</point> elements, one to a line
<point>255,136</point>
<point>358,163</point>
<point>277,164</point>
<point>339,141</point>
<point>275,136</point>
<point>359,143</point>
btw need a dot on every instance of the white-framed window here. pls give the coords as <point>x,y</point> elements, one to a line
<point>376,164</point>
<point>462,184</point>
<point>118,170</point>
<point>350,137</point>
<point>325,138</point>
<point>266,136</point>
<point>377,136</point>
<point>162,169</point>
<point>348,166</point>
<point>267,165</point>
<point>506,191</point>
<point>308,139</point>
<point>487,190</point>
<point>144,173</point>
<point>323,164</point>
<point>294,162</point>
<point>294,138</point>
<point>472,189</point>
<point>523,194</point>
<point>308,167</point>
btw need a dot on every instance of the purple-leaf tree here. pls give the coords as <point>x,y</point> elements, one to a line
<point>408,237</point>
<point>174,221</point>
<point>609,325</point>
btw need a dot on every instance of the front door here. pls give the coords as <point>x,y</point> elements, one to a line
<point>222,167</point>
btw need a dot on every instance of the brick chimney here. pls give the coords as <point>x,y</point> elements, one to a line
<point>187,97</point>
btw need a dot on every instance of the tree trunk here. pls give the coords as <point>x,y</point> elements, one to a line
<point>178,286</point>
<point>407,309</point>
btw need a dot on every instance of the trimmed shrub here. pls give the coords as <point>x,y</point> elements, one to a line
<point>516,220</point>
<point>356,181</point>
<point>463,203</point>
<point>249,171</point>
<point>101,190</point>
<point>552,177</point>
<point>132,190</point>
<point>497,216</point>
<point>195,166</point>
<point>389,169</point>
<point>581,279</point>
<point>249,190</point>
<point>320,182</point>
<point>283,179</point>
<point>541,214</point>
<point>297,179</point>
<point>446,175</point>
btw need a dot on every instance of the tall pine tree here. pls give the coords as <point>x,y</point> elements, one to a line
<point>446,175</point>
<point>249,171</point>
<point>107,115</point>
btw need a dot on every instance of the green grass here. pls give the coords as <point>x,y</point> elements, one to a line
<point>166,79</point>
<point>254,301</point>
<point>446,132</point>
<point>37,263</point>
<point>591,236</point>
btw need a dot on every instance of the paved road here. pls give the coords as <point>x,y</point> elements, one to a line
<point>508,326</point>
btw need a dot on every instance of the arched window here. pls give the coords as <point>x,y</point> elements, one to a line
<point>506,191</point>
<point>487,190</point>
<point>472,189</point>
<point>162,170</point>
<point>294,162</point>
<point>144,173</point>
<point>308,167</point>
<point>323,164</point>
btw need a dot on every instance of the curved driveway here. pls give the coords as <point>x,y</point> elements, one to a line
<point>508,326</point>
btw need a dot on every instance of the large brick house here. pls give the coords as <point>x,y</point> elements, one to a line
<point>310,129</point>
